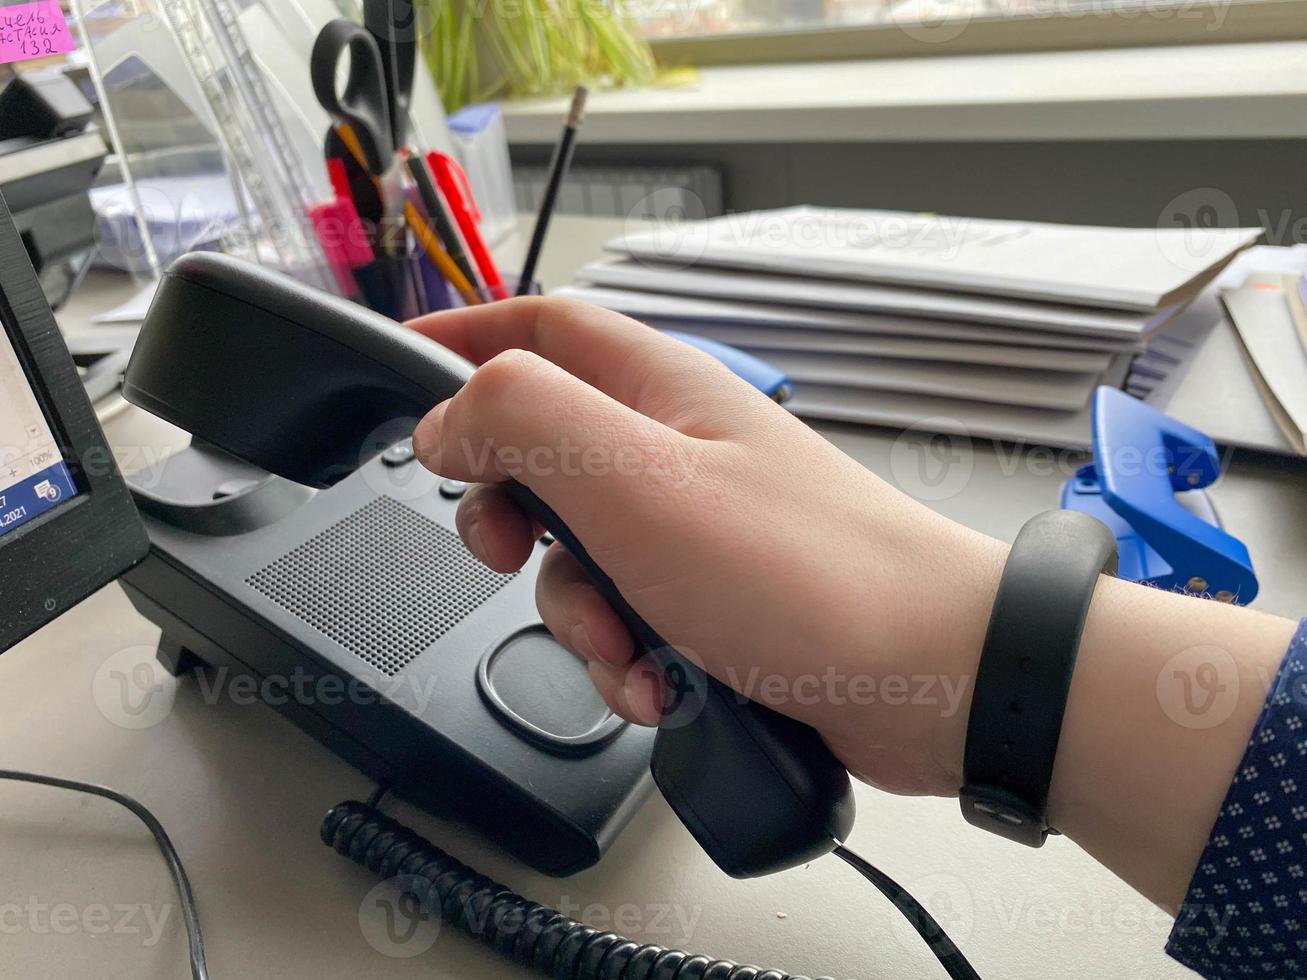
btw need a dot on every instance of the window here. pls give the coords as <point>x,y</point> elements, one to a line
<point>715,31</point>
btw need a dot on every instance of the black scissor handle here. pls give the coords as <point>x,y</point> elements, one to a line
<point>365,104</point>
<point>394,25</point>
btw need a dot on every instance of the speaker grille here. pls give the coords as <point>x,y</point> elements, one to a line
<point>385,583</point>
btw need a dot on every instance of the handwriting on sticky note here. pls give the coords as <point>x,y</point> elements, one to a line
<point>33,30</point>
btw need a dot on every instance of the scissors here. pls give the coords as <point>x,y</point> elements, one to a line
<point>393,23</point>
<point>374,105</point>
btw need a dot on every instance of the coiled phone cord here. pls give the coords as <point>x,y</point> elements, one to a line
<point>530,934</point>
<point>546,940</point>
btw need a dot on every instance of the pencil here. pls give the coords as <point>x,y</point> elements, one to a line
<point>439,257</point>
<point>441,221</point>
<point>557,171</point>
<point>351,141</point>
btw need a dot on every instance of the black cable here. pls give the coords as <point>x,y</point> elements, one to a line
<point>548,941</point>
<point>524,931</point>
<point>949,956</point>
<point>378,795</point>
<point>199,969</point>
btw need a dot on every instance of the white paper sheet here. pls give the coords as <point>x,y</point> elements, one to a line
<point>1262,318</point>
<point>764,340</point>
<point>1124,268</point>
<point>995,385</point>
<point>951,416</point>
<point>1214,391</point>
<point>666,310</point>
<point>133,311</point>
<point>860,297</point>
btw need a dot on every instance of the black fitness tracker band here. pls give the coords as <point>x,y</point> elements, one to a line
<point>1025,670</point>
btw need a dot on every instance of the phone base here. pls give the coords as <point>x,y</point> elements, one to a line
<point>358,614</point>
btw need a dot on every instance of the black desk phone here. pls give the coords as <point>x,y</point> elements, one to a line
<point>298,537</point>
<point>301,383</point>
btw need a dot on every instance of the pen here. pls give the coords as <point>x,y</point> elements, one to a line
<point>425,236</point>
<point>389,235</point>
<point>441,221</point>
<point>354,244</point>
<point>339,177</point>
<point>355,148</point>
<point>439,257</point>
<point>375,280</point>
<point>557,171</point>
<point>352,180</point>
<point>454,185</point>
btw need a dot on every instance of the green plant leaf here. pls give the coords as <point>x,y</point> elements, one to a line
<point>537,47</point>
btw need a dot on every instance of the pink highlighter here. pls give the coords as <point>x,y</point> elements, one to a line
<point>327,222</point>
<point>341,231</point>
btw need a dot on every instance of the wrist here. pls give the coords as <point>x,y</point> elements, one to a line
<point>962,635</point>
<point>925,638</point>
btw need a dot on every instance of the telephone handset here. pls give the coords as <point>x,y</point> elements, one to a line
<point>299,383</point>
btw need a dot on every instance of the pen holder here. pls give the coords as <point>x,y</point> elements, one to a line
<point>404,288</point>
<point>437,294</point>
<point>391,287</point>
<point>409,287</point>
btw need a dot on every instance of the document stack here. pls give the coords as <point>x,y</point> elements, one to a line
<point>1269,313</point>
<point>994,328</point>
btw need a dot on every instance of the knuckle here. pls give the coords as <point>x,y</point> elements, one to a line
<point>559,317</point>
<point>501,377</point>
<point>553,611</point>
<point>555,583</point>
<point>554,574</point>
<point>470,509</point>
<point>564,310</point>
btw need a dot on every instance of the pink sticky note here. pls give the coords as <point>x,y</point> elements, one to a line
<point>33,30</point>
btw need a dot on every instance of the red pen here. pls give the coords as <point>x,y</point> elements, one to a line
<point>453,184</point>
<point>354,244</point>
<point>339,177</point>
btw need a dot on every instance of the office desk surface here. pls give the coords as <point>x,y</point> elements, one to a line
<point>242,793</point>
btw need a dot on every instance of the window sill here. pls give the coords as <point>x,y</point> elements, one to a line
<point>1230,91</point>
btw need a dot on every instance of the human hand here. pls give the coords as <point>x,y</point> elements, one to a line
<point>786,569</point>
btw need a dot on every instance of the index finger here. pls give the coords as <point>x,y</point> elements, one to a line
<point>625,359</point>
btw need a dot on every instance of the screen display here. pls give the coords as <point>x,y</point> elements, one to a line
<point>33,475</point>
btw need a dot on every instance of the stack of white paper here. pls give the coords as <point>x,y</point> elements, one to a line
<point>1141,269</point>
<point>888,318</point>
<point>1269,313</point>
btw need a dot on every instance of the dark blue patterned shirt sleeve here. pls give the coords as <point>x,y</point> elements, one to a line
<point>1245,914</point>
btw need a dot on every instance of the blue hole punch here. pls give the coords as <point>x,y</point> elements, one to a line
<point>1146,484</point>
